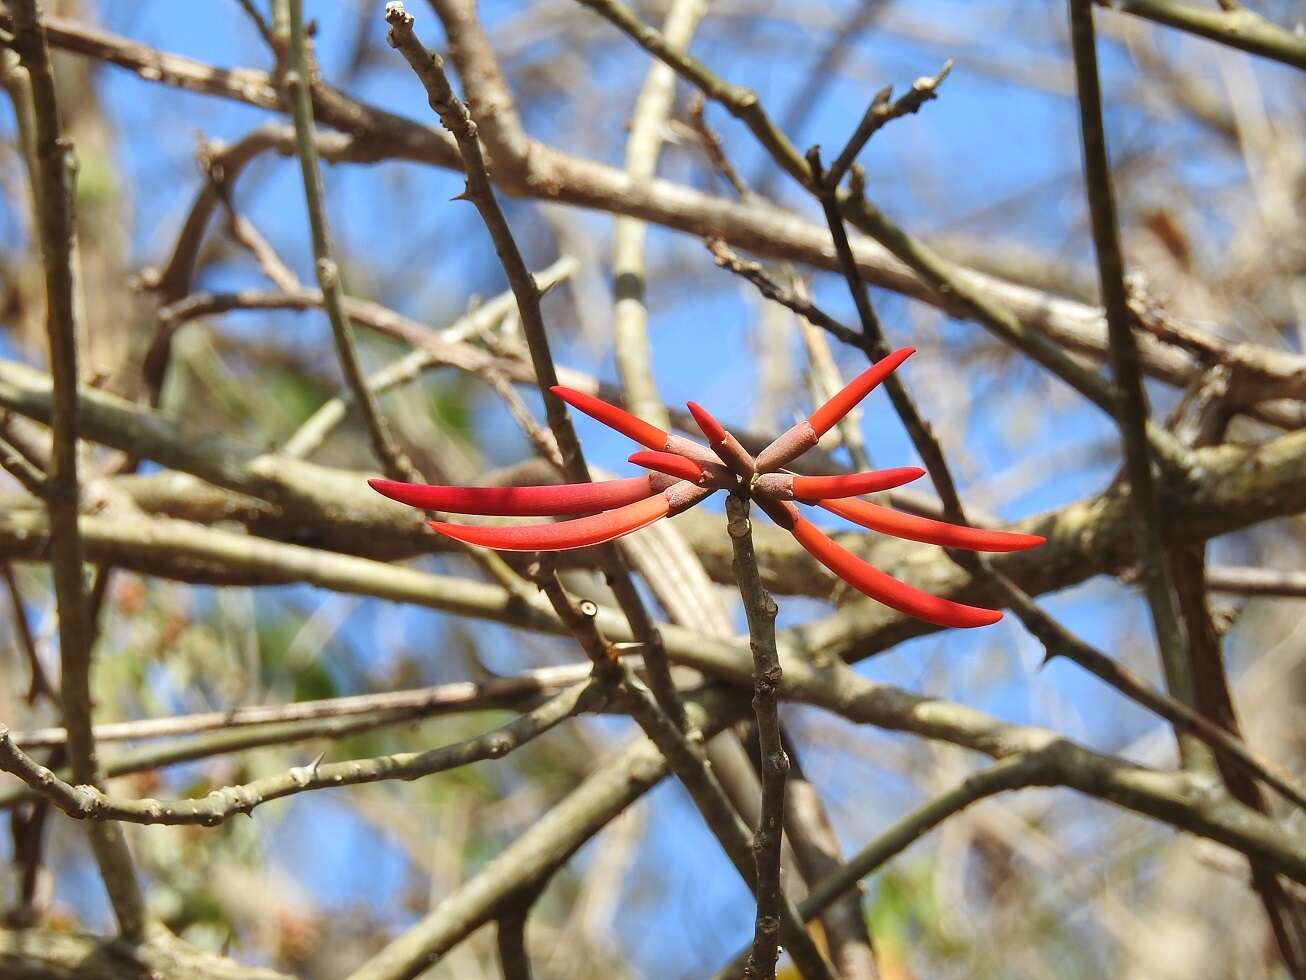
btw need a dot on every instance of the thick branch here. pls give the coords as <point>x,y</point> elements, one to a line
<point>53,954</point>
<point>1238,28</point>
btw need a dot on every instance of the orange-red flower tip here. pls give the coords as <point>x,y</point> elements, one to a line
<point>644,433</point>
<point>725,445</point>
<point>714,430</point>
<point>824,418</point>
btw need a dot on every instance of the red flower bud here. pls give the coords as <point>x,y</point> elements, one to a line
<point>628,425</point>
<point>563,535</point>
<point>725,445</point>
<point>824,418</point>
<point>929,531</point>
<point>870,581</point>
<point>813,488</point>
<point>678,466</point>
<point>583,531</point>
<point>549,501</point>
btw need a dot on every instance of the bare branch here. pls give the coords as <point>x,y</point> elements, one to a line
<point>299,83</point>
<point>496,692</point>
<point>455,117</point>
<point>1132,415</point>
<point>83,802</point>
<point>761,611</point>
<point>1238,28</point>
<point>880,113</point>
<point>54,187</point>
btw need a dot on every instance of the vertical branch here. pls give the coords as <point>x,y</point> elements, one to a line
<point>54,186</point>
<point>456,118</point>
<point>630,328</point>
<point>298,81</point>
<point>1056,639</point>
<point>39,686</point>
<point>761,611</point>
<point>1131,401</point>
<point>510,939</point>
<point>687,758</point>
<point>429,68</point>
<point>1283,907</point>
<point>817,853</point>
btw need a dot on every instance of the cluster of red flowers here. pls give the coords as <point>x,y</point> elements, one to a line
<point>685,473</point>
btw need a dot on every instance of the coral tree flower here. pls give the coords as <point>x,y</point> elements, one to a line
<point>684,473</point>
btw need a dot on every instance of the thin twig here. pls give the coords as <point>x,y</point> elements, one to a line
<point>221,742</point>
<point>714,150</point>
<point>1012,773</point>
<point>728,259</point>
<point>1132,413</point>
<point>740,102</point>
<point>882,111</point>
<point>1060,642</point>
<point>90,803</point>
<point>298,82</point>
<point>17,465</point>
<point>485,317</point>
<point>761,610</point>
<point>54,202</point>
<point>39,685</point>
<point>515,692</point>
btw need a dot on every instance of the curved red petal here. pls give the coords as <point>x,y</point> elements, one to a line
<point>814,488</point>
<point>857,389</point>
<point>930,531</point>
<point>668,463</point>
<point>549,501</point>
<point>885,588</point>
<point>628,425</point>
<point>564,535</point>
